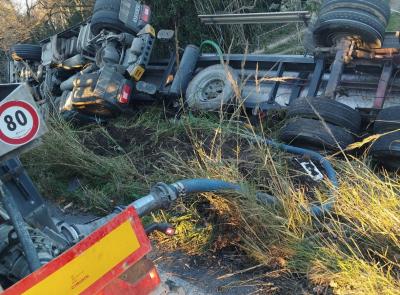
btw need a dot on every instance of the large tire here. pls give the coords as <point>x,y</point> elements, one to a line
<point>387,120</point>
<point>212,88</point>
<point>27,52</point>
<point>378,8</point>
<point>336,24</point>
<point>315,135</point>
<point>387,150</point>
<point>331,111</point>
<point>106,16</point>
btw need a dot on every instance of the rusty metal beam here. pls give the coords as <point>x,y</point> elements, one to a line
<point>338,67</point>
<point>383,85</point>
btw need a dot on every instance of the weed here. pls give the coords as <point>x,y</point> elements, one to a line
<point>353,251</point>
<point>63,160</point>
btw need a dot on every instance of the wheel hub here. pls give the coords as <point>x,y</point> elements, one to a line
<point>213,89</point>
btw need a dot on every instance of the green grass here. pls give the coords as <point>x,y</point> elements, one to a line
<point>102,181</point>
<point>394,23</point>
<point>354,251</point>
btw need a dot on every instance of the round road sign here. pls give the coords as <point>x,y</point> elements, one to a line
<point>19,122</point>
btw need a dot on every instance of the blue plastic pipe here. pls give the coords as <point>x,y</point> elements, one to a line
<point>315,210</point>
<point>208,185</point>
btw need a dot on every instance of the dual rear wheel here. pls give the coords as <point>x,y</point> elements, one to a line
<point>320,123</point>
<point>386,149</point>
<point>359,20</point>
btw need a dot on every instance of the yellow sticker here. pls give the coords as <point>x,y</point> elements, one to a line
<point>137,73</point>
<point>91,265</point>
<point>150,30</point>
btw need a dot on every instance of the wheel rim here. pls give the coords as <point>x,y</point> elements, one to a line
<point>212,90</point>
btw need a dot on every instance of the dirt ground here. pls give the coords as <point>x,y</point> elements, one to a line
<point>220,274</point>
<point>213,273</point>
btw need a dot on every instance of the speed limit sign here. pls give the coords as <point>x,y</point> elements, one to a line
<point>19,122</point>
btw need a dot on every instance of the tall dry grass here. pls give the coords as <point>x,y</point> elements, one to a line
<point>355,250</point>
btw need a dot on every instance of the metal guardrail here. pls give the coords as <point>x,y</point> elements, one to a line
<point>256,18</point>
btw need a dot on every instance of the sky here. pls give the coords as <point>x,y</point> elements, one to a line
<point>21,3</point>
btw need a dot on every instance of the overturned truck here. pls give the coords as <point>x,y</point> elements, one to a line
<point>345,88</point>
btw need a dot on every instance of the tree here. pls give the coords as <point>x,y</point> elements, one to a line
<point>39,20</point>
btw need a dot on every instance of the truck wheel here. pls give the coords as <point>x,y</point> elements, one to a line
<point>212,88</point>
<point>315,135</point>
<point>30,52</point>
<point>331,111</point>
<point>387,120</point>
<point>378,8</point>
<point>106,16</point>
<point>386,150</point>
<point>334,25</point>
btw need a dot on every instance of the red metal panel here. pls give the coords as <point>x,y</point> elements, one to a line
<point>143,287</point>
<point>49,269</point>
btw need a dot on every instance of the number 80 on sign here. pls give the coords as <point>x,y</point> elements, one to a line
<point>19,122</point>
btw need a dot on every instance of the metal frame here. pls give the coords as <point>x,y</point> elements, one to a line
<point>256,18</point>
<point>81,271</point>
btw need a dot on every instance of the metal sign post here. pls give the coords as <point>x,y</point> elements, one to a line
<point>21,124</point>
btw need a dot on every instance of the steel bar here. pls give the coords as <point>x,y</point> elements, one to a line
<point>276,84</point>
<point>337,67</point>
<point>256,18</point>
<point>316,77</point>
<point>20,228</point>
<point>298,86</point>
<point>383,85</point>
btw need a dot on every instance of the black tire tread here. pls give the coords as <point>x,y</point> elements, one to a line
<point>314,134</point>
<point>356,16</point>
<point>378,8</point>
<point>26,52</point>
<point>107,5</point>
<point>331,111</point>
<point>387,120</point>
<point>386,150</point>
<point>349,22</point>
<point>106,16</point>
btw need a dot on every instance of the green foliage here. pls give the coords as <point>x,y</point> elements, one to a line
<point>394,24</point>
<point>179,15</point>
<point>182,16</point>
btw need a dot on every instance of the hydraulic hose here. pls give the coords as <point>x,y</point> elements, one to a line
<point>192,186</point>
<point>315,210</point>
<point>331,174</point>
<point>207,185</point>
<point>215,46</point>
<point>163,195</point>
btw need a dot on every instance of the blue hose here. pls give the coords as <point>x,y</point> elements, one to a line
<point>207,185</point>
<point>331,173</point>
<point>190,186</point>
